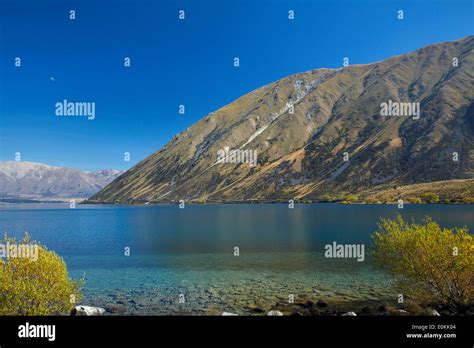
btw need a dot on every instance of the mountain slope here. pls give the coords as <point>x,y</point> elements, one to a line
<point>39,181</point>
<point>336,111</point>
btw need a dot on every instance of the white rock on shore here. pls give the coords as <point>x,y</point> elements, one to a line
<point>87,311</point>
<point>228,314</point>
<point>401,312</point>
<point>275,313</point>
<point>349,314</point>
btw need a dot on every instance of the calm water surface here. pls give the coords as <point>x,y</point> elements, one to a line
<point>191,251</point>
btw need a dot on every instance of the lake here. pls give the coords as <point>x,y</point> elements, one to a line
<point>191,252</point>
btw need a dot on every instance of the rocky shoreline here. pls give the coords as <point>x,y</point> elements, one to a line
<point>308,308</point>
<point>321,308</point>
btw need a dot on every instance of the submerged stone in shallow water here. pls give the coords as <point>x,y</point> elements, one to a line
<point>321,304</point>
<point>116,309</point>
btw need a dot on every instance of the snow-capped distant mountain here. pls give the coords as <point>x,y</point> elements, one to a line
<point>27,180</point>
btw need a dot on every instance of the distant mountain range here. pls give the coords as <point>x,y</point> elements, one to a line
<point>325,131</point>
<point>36,181</point>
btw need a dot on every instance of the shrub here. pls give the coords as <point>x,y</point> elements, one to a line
<point>414,200</point>
<point>468,200</point>
<point>350,199</point>
<point>384,199</point>
<point>327,198</point>
<point>430,197</point>
<point>430,263</point>
<point>338,198</point>
<point>36,287</point>
<point>372,200</point>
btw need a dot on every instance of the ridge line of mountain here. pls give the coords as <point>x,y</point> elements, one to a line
<point>333,112</point>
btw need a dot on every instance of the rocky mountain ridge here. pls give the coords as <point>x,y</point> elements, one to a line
<point>322,132</point>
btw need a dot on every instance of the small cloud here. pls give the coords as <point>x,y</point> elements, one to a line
<point>52,78</point>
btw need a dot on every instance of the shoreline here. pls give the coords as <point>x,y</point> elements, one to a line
<point>306,202</point>
<point>157,203</point>
<point>301,307</point>
<point>195,203</point>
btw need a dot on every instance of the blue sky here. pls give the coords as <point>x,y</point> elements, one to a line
<point>177,62</point>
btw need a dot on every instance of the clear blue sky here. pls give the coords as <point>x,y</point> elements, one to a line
<point>178,62</point>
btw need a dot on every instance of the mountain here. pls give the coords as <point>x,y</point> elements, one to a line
<point>29,180</point>
<point>301,127</point>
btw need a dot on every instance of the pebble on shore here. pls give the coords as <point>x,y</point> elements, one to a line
<point>87,311</point>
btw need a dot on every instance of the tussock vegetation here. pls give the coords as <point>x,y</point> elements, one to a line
<point>450,191</point>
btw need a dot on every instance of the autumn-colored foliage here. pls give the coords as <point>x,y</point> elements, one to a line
<point>36,287</point>
<point>432,265</point>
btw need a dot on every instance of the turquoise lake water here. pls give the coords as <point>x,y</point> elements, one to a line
<point>191,252</point>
